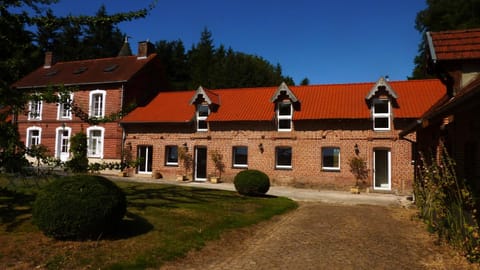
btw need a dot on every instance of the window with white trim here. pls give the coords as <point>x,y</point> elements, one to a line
<point>171,155</point>
<point>240,156</point>
<point>97,103</point>
<point>331,158</point>
<point>35,110</point>
<point>95,138</point>
<point>64,107</point>
<point>283,157</point>
<point>202,113</point>
<point>34,136</point>
<point>284,116</point>
<point>381,114</point>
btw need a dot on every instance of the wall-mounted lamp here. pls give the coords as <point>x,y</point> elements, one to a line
<point>260,147</point>
<point>355,148</point>
<point>185,147</point>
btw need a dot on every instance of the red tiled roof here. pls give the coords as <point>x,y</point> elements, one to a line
<point>332,101</point>
<point>92,71</point>
<point>454,45</point>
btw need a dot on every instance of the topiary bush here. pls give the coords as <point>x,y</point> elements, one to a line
<point>79,207</point>
<point>251,182</point>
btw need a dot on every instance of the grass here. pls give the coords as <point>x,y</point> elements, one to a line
<point>163,223</point>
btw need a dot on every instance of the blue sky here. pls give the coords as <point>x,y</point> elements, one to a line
<point>339,41</point>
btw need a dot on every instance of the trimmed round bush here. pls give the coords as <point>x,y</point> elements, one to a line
<point>79,207</point>
<point>251,182</point>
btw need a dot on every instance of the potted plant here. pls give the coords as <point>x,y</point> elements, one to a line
<point>217,159</point>
<point>186,160</point>
<point>358,167</point>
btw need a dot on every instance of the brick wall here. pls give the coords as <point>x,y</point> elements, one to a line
<point>306,142</point>
<point>49,122</point>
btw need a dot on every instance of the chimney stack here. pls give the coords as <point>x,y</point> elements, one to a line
<point>49,61</point>
<point>145,48</point>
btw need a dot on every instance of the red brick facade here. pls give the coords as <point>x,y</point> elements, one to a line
<point>329,125</point>
<point>121,82</point>
<point>306,142</point>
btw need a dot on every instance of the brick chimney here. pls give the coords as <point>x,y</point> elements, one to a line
<point>145,48</point>
<point>49,61</point>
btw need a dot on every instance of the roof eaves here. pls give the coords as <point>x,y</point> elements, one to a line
<point>71,84</point>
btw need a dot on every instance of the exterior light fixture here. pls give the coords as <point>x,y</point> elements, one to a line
<point>260,147</point>
<point>355,148</point>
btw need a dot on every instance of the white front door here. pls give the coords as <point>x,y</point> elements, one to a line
<point>381,169</point>
<point>63,144</point>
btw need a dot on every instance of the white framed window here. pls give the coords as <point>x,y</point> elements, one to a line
<point>284,116</point>
<point>171,155</point>
<point>331,158</point>
<point>381,113</point>
<point>202,113</point>
<point>34,136</point>
<point>283,157</point>
<point>240,156</point>
<point>95,138</point>
<point>35,110</point>
<point>97,103</point>
<point>64,107</point>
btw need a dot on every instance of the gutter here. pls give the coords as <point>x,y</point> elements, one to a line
<point>431,47</point>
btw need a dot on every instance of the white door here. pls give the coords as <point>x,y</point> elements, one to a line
<point>381,169</point>
<point>63,144</point>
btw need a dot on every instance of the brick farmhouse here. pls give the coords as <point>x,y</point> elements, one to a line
<point>298,135</point>
<point>99,87</point>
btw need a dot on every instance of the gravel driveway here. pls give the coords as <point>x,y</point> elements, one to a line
<point>329,236</point>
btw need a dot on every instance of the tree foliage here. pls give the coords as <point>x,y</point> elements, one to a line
<point>215,67</point>
<point>442,15</point>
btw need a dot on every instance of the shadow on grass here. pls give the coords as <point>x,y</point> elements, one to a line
<point>171,196</point>
<point>132,225</point>
<point>15,208</point>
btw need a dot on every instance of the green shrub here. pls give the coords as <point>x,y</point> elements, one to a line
<point>251,182</point>
<point>78,148</point>
<point>79,207</point>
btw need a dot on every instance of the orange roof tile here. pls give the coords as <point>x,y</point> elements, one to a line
<point>332,101</point>
<point>454,45</point>
<point>105,70</point>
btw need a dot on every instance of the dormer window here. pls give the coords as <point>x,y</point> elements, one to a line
<point>202,113</point>
<point>284,116</point>
<point>381,114</point>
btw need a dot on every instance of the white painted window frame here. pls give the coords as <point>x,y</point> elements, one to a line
<point>387,115</point>
<point>61,109</point>
<point>29,136</point>
<point>202,118</point>
<point>102,142</point>
<point>35,112</point>
<point>91,103</point>
<point>238,165</point>
<point>284,117</point>
<point>326,168</point>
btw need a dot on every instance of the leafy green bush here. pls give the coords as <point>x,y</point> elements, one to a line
<point>79,207</point>
<point>78,148</point>
<point>251,182</point>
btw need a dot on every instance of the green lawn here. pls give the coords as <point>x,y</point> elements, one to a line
<point>163,222</point>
